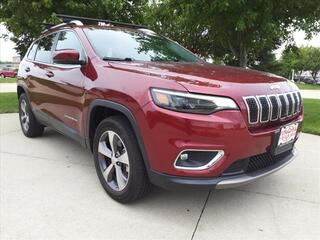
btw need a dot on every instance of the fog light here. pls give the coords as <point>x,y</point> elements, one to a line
<point>184,156</point>
<point>197,159</point>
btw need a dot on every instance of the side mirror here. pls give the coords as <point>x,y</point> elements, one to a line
<point>67,56</point>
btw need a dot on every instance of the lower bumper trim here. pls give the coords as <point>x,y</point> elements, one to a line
<point>246,179</point>
<point>177,183</point>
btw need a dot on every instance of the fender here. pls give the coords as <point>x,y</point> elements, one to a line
<point>125,111</point>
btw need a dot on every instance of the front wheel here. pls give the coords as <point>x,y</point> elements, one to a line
<point>118,160</point>
<point>29,124</point>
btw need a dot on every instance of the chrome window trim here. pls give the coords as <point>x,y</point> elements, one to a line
<point>260,115</point>
<point>65,66</point>
<point>220,154</point>
<point>248,109</point>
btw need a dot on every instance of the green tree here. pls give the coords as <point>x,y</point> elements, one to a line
<point>300,59</point>
<point>312,61</point>
<point>24,18</point>
<point>237,31</point>
<point>292,58</point>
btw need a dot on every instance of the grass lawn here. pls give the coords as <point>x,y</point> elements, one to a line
<point>308,86</point>
<point>9,104</point>
<point>8,80</point>
<point>311,122</point>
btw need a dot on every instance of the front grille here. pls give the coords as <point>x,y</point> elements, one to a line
<point>255,163</point>
<point>272,107</point>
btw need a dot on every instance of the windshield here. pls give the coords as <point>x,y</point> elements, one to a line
<point>130,45</point>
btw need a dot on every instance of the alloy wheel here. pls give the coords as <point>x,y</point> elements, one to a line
<point>24,115</point>
<point>113,160</point>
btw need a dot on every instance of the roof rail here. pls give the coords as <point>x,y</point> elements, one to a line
<point>76,19</point>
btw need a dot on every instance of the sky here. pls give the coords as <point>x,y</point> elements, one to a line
<point>7,47</point>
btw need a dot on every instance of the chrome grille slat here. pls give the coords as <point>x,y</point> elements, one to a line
<point>296,99</point>
<point>290,104</point>
<point>275,107</point>
<point>284,106</point>
<point>300,101</point>
<point>265,108</point>
<point>253,109</point>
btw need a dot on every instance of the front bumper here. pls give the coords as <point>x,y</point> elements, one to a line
<point>167,133</point>
<point>222,182</point>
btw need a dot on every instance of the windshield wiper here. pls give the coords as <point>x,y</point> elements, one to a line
<point>117,59</point>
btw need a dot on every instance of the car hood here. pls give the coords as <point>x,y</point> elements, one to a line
<point>212,79</point>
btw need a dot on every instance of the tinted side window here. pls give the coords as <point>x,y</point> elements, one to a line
<point>44,49</point>
<point>32,51</point>
<point>69,40</point>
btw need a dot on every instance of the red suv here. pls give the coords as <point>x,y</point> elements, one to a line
<point>7,72</point>
<point>154,113</point>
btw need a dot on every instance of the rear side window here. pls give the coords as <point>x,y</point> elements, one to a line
<point>32,51</point>
<point>69,40</point>
<point>44,49</point>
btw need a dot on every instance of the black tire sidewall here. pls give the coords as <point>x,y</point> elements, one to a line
<point>35,128</point>
<point>134,155</point>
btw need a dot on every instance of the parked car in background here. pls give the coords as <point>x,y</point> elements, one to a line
<point>7,72</point>
<point>307,79</point>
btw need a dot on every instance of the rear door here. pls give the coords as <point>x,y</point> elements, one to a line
<point>37,68</point>
<point>65,85</point>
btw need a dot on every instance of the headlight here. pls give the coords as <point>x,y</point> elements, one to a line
<point>191,103</point>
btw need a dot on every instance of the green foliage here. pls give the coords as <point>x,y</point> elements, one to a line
<point>237,31</point>
<point>8,80</point>
<point>312,61</point>
<point>300,59</point>
<point>304,86</point>
<point>24,18</point>
<point>311,122</point>
<point>8,103</point>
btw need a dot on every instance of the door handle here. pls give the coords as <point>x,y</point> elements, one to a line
<point>49,74</point>
<point>27,69</point>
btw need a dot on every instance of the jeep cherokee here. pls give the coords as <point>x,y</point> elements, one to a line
<point>152,112</point>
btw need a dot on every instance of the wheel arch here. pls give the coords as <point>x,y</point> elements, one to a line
<point>20,90</point>
<point>100,109</point>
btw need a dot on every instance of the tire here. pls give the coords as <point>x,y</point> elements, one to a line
<point>2,76</point>
<point>127,180</point>
<point>30,126</point>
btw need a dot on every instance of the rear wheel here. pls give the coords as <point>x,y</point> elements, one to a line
<point>29,124</point>
<point>118,161</point>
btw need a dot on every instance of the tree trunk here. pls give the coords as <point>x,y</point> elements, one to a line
<point>243,57</point>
